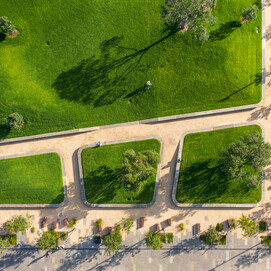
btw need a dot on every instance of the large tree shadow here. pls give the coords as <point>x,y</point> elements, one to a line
<point>101,81</point>
<point>2,36</point>
<point>101,184</point>
<point>256,80</point>
<point>224,30</point>
<point>205,182</point>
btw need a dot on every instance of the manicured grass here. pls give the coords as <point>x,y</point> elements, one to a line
<point>101,53</point>
<point>35,179</point>
<point>202,179</point>
<point>102,185</point>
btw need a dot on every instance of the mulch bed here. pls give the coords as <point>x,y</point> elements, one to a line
<point>13,34</point>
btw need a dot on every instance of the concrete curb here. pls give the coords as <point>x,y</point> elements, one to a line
<point>158,119</point>
<point>39,205</point>
<point>214,205</point>
<point>97,205</point>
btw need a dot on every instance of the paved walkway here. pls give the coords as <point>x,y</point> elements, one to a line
<point>163,208</point>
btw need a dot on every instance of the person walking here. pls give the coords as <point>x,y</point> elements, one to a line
<point>149,84</point>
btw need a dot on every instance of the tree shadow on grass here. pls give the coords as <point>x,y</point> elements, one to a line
<point>205,182</point>
<point>257,80</point>
<point>4,130</point>
<point>2,36</point>
<point>101,81</point>
<point>59,198</point>
<point>101,185</point>
<point>224,30</point>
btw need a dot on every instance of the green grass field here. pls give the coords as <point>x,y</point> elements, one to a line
<point>201,178</point>
<point>102,185</point>
<point>101,53</point>
<point>35,179</point>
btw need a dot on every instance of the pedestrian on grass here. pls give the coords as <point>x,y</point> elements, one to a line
<point>149,84</point>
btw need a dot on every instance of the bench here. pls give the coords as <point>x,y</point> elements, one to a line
<point>44,219</point>
<point>158,227</point>
<point>142,220</point>
<point>197,228</point>
<point>110,230</point>
<point>266,226</point>
<point>169,221</point>
<point>229,223</point>
<point>100,228</point>
<point>55,225</point>
<point>66,222</point>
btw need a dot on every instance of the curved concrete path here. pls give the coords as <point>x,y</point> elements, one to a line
<point>163,208</point>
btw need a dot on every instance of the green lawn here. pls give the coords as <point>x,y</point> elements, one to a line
<point>35,179</point>
<point>101,53</point>
<point>201,178</point>
<point>102,185</point>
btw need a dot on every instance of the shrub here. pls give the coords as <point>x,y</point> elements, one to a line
<point>127,224</point>
<point>72,223</point>
<point>15,120</point>
<point>262,225</point>
<point>169,238</point>
<point>181,227</point>
<point>6,26</point>
<point>98,222</point>
<point>18,223</point>
<point>32,230</point>
<point>219,227</point>
<point>155,240</point>
<point>113,241</point>
<point>250,13</point>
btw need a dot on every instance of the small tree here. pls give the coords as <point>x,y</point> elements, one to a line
<point>6,26</point>
<point>4,243</point>
<point>191,15</point>
<point>113,241</point>
<point>49,239</point>
<point>248,225</point>
<point>219,227</point>
<point>250,13</point>
<point>154,240</point>
<point>255,182</point>
<point>15,120</point>
<point>137,168</point>
<point>127,224</point>
<point>212,236</point>
<point>19,223</point>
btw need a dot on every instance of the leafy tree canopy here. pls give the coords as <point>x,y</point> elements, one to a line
<point>246,159</point>
<point>191,15</point>
<point>250,13</point>
<point>15,120</point>
<point>212,236</point>
<point>113,241</point>
<point>127,224</point>
<point>4,243</point>
<point>155,240</point>
<point>6,26</point>
<point>137,168</point>
<point>18,223</point>
<point>248,225</point>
